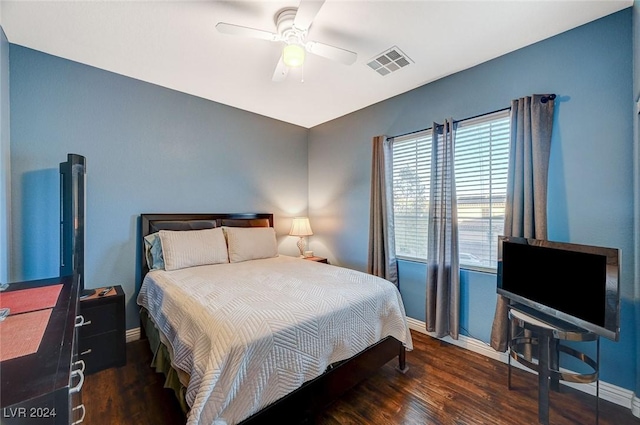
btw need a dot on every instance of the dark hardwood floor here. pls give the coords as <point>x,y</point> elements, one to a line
<point>445,384</point>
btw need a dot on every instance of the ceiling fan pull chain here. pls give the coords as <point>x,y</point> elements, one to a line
<point>302,73</point>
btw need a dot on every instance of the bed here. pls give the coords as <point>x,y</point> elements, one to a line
<point>246,335</point>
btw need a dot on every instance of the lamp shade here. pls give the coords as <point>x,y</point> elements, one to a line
<point>300,227</point>
<point>293,55</point>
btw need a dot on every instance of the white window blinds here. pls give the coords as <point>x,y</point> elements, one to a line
<point>481,161</point>
<point>411,168</point>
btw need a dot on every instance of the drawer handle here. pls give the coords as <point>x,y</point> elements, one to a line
<point>77,388</point>
<point>85,352</point>
<point>81,363</point>
<point>81,322</point>
<point>84,411</point>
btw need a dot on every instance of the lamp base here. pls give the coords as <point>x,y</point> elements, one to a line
<point>301,244</point>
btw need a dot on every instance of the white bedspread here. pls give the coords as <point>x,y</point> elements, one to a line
<point>249,333</point>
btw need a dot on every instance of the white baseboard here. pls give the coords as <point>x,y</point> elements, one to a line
<point>635,405</point>
<point>609,392</point>
<point>133,334</point>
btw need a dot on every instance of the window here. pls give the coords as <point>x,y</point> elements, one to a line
<point>411,168</point>
<point>481,161</point>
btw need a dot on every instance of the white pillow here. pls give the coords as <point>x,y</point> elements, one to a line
<point>251,243</point>
<point>191,248</point>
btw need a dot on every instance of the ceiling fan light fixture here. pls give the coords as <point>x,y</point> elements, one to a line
<point>293,55</point>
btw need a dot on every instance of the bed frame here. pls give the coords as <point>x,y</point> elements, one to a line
<point>305,403</point>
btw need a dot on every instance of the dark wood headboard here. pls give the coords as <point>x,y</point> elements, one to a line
<point>151,223</point>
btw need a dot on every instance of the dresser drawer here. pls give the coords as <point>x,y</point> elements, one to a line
<point>99,319</point>
<point>103,351</point>
<point>102,338</point>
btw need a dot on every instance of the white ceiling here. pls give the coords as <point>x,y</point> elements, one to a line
<point>174,44</point>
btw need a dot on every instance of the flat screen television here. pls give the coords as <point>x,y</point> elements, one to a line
<point>578,284</point>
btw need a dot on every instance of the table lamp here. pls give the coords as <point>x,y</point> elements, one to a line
<point>301,227</point>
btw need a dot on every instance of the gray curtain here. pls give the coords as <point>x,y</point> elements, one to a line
<point>526,204</point>
<point>382,252</point>
<point>443,269</point>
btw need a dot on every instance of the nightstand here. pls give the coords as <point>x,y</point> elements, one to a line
<point>101,338</point>
<point>317,259</point>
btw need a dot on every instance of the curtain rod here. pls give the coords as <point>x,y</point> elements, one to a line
<point>544,99</point>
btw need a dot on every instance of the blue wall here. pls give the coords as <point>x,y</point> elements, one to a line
<point>148,149</point>
<point>5,160</point>
<point>636,139</point>
<point>590,178</point>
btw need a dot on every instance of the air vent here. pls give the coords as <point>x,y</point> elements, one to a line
<point>389,61</point>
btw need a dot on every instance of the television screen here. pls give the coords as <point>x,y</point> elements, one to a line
<point>572,282</point>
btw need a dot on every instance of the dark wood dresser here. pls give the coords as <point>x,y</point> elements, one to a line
<point>45,387</point>
<point>102,334</point>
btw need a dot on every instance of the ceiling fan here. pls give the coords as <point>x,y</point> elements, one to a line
<point>292,27</point>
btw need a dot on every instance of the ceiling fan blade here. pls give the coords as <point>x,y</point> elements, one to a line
<point>307,11</point>
<point>334,53</point>
<point>246,31</point>
<point>281,71</point>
